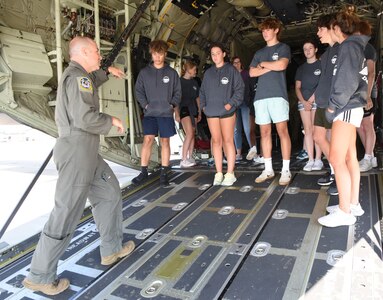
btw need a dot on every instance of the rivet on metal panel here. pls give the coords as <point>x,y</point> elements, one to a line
<point>204,187</point>
<point>280,214</point>
<point>179,206</point>
<point>152,289</point>
<point>260,249</point>
<point>246,188</point>
<point>237,249</point>
<point>197,241</point>
<point>226,210</point>
<point>333,256</point>
<point>144,233</point>
<point>293,190</point>
<point>139,203</point>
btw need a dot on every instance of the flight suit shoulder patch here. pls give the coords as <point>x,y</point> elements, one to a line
<point>85,84</point>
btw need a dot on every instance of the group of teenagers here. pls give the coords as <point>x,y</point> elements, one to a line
<point>334,98</point>
<point>342,90</point>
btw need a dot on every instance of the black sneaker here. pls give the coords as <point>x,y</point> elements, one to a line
<point>332,189</point>
<point>140,178</point>
<point>326,180</point>
<point>164,180</point>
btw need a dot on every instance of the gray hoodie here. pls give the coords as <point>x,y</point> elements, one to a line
<point>158,90</point>
<point>221,86</point>
<point>349,82</point>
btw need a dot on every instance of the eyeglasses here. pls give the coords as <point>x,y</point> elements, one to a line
<point>236,62</point>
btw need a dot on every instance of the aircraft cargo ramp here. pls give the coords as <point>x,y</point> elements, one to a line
<point>198,241</point>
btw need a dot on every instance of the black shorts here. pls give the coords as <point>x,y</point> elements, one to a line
<point>224,116</point>
<point>371,111</point>
<point>320,118</point>
<point>184,112</point>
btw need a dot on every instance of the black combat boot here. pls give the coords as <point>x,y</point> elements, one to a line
<point>164,176</point>
<point>141,177</point>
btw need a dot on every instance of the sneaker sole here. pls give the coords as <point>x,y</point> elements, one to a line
<point>263,180</point>
<point>337,225</point>
<point>284,182</point>
<point>324,184</point>
<point>333,193</point>
<point>228,184</point>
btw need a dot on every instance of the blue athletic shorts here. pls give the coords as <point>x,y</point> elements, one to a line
<point>164,126</point>
<point>271,110</point>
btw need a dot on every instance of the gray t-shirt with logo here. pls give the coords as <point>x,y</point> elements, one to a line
<point>308,75</point>
<point>273,83</point>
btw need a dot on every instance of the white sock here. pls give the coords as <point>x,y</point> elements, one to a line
<point>368,156</point>
<point>268,164</point>
<point>332,169</point>
<point>286,165</point>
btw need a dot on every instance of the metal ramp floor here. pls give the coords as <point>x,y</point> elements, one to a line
<point>248,241</point>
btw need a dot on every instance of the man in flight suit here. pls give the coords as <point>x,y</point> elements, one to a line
<point>82,172</point>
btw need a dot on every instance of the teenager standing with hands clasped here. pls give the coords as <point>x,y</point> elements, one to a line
<point>221,93</point>
<point>306,81</point>
<point>189,112</point>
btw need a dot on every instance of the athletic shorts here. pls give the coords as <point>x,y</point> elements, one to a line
<point>320,119</point>
<point>302,107</point>
<point>371,111</point>
<point>271,110</point>
<point>164,126</point>
<point>184,112</point>
<point>224,116</point>
<point>353,116</point>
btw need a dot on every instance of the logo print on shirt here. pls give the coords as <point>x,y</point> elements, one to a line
<point>333,59</point>
<point>194,88</point>
<point>317,72</point>
<point>224,80</point>
<point>165,79</point>
<point>364,72</point>
<point>275,56</point>
<point>334,71</point>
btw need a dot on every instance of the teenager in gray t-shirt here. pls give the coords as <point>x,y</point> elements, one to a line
<point>271,101</point>
<point>306,81</point>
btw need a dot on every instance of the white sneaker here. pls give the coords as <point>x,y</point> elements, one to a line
<point>374,162</point>
<point>356,210</point>
<point>229,179</point>
<point>337,218</point>
<point>318,165</point>
<point>265,175</point>
<point>285,177</point>
<point>186,164</point>
<point>258,160</point>
<point>192,161</point>
<point>218,178</point>
<point>365,165</point>
<point>309,166</point>
<point>252,153</point>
